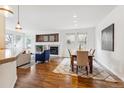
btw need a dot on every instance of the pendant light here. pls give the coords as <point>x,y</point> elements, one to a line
<point>18,26</point>
<point>6,10</point>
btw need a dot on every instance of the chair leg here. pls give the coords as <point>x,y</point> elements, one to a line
<point>77,70</point>
<point>87,70</point>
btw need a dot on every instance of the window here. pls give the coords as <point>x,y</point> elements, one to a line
<point>70,38</point>
<point>82,38</point>
<point>77,40</point>
<point>9,40</point>
<point>28,43</point>
<point>14,40</point>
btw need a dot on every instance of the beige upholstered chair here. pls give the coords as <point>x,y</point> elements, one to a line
<point>82,60</point>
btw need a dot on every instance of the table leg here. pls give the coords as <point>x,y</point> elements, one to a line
<point>91,64</point>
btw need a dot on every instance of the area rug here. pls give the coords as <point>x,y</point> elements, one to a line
<point>98,71</point>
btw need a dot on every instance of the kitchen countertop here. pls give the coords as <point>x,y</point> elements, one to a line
<point>7,56</point>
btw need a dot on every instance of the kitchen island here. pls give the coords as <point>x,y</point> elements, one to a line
<point>8,74</point>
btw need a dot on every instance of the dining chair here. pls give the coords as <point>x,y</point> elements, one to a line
<point>93,52</point>
<point>69,53</point>
<point>82,60</point>
<point>90,50</point>
<point>73,61</point>
<point>70,56</point>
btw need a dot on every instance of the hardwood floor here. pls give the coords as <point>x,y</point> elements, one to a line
<point>41,76</point>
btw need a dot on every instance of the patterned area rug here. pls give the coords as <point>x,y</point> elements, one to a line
<point>98,71</point>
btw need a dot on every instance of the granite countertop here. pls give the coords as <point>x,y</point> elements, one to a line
<point>7,56</point>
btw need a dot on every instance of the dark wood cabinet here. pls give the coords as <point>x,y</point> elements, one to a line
<point>47,38</point>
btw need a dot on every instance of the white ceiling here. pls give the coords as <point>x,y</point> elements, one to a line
<point>50,17</point>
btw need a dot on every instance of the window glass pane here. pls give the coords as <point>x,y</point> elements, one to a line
<point>8,40</point>
<point>82,38</point>
<point>18,39</point>
<point>28,43</point>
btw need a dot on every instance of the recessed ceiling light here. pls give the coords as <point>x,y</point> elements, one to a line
<point>74,16</point>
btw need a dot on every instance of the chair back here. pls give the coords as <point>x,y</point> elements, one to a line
<point>90,50</point>
<point>69,52</point>
<point>93,52</point>
<point>82,58</point>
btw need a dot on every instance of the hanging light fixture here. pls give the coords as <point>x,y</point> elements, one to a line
<point>6,10</point>
<point>18,26</point>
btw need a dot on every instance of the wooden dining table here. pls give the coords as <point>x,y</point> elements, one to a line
<point>74,56</point>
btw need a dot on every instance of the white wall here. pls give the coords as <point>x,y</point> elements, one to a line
<point>62,39</point>
<point>114,61</point>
